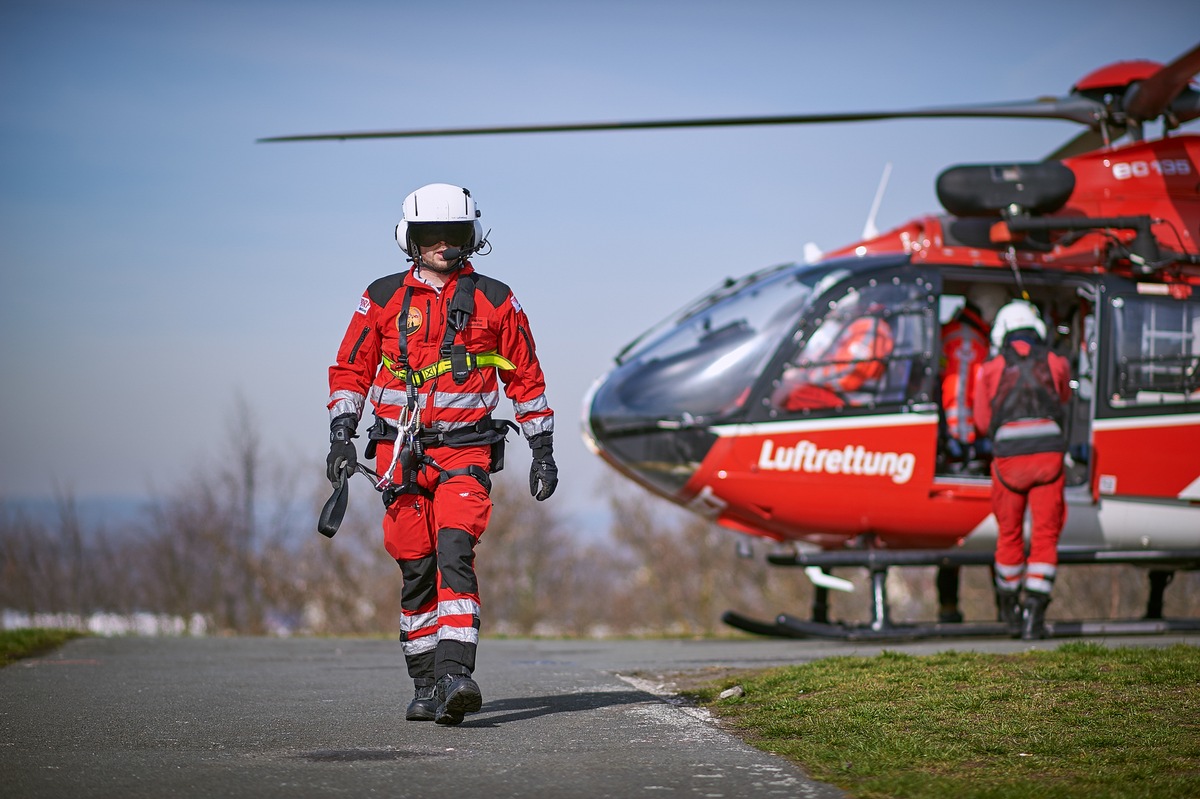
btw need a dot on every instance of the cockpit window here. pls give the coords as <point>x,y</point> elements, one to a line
<point>705,365</point>
<point>868,345</point>
<point>1157,352</point>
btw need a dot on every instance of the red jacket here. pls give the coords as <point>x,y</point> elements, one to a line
<point>497,325</point>
<point>964,349</point>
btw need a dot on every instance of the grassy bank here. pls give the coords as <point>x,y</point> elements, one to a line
<point>1081,721</point>
<point>17,644</point>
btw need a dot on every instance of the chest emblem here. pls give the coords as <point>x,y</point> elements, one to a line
<point>414,321</point>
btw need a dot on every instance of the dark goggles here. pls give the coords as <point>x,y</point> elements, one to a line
<point>454,234</point>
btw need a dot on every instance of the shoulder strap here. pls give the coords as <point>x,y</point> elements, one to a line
<point>462,305</point>
<point>402,340</point>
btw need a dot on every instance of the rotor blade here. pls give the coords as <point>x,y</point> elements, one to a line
<point>1186,106</point>
<point>1075,109</point>
<point>1149,98</point>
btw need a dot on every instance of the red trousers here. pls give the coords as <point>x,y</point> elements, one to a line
<point>411,524</point>
<point>433,540</point>
<point>1034,482</point>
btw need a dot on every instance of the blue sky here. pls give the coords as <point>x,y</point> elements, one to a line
<point>156,263</point>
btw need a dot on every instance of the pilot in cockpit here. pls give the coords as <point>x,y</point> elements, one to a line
<point>842,361</point>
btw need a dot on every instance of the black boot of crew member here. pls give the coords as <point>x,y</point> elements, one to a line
<point>425,701</point>
<point>460,695</point>
<point>947,589</point>
<point>1008,610</point>
<point>1033,623</point>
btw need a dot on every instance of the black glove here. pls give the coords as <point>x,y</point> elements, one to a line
<point>342,454</point>
<point>543,469</point>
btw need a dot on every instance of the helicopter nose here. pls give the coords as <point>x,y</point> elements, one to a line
<point>654,448</point>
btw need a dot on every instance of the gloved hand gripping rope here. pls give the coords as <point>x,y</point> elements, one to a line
<point>408,453</point>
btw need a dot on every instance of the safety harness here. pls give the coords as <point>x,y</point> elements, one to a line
<point>410,437</point>
<point>1027,416</point>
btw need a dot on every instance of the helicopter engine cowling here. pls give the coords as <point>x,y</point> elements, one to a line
<point>992,189</point>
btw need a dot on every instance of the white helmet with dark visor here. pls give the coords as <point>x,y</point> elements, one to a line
<point>437,213</point>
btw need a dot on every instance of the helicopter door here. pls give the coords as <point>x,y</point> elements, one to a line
<point>1147,429</point>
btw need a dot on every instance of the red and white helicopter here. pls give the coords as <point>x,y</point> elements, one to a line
<point>1102,236</point>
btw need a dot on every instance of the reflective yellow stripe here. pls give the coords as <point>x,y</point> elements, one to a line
<point>474,361</point>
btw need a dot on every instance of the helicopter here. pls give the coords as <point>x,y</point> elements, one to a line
<point>1100,236</point>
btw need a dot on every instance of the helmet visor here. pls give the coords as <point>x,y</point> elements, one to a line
<point>454,234</point>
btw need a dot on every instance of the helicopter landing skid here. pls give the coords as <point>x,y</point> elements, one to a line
<point>881,627</point>
<point>787,626</point>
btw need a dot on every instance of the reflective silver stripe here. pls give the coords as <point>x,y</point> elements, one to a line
<point>458,607</point>
<point>418,621</point>
<point>426,643</point>
<point>346,402</point>
<point>541,424</point>
<point>1008,578</point>
<point>1028,428</point>
<point>535,405</point>
<point>468,635</point>
<point>1010,571</point>
<point>1039,585</point>
<point>1040,577</point>
<point>392,396</point>
<point>487,400</point>
<point>1008,584</point>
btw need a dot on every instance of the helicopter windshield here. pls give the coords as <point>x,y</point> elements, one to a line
<point>705,364</point>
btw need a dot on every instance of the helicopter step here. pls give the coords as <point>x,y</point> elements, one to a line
<point>881,627</point>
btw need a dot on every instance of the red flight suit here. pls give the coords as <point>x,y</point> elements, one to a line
<point>432,536</point>
<point>854,358</point>
<point>964,348</point>
<point>1027,470</point>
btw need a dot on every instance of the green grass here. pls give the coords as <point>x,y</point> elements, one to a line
<point>1081,721</point>
<point>17,644</point>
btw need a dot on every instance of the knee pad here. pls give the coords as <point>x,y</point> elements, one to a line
<point>420,583</point>
<point>456,560</point>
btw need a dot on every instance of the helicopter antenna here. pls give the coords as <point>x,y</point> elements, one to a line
<point>870,231</point>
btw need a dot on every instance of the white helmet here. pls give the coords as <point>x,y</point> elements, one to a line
<point>1017,315</point>
<point>988,298</point>
<point>443,205</point>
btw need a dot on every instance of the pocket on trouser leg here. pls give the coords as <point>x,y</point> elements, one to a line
<point>462,504</point>
<point>406,529</point>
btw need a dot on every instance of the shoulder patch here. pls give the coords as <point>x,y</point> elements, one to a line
<point>364,304</point>
<point>382,289</point>
<point>495,291</point>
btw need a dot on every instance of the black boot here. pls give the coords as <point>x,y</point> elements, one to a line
<point>460,695</point>
<point>1008,610</point>
<point>947,590</point>
<point>949,614</point>
<point>425,701</point>
<point>1033,623</point>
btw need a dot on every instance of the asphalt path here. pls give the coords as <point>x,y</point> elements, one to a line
<point>262,717</point>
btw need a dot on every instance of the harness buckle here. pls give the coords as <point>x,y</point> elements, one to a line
<point>459,367</point>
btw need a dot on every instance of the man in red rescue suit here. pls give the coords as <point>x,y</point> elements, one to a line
<point>964,348</point>
<point>852,362</point>
<point>1020,400</point>
<point>429,347</point>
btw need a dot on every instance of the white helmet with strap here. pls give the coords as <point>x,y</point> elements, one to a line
<point>445,206</point>
<point>1017,315</point>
